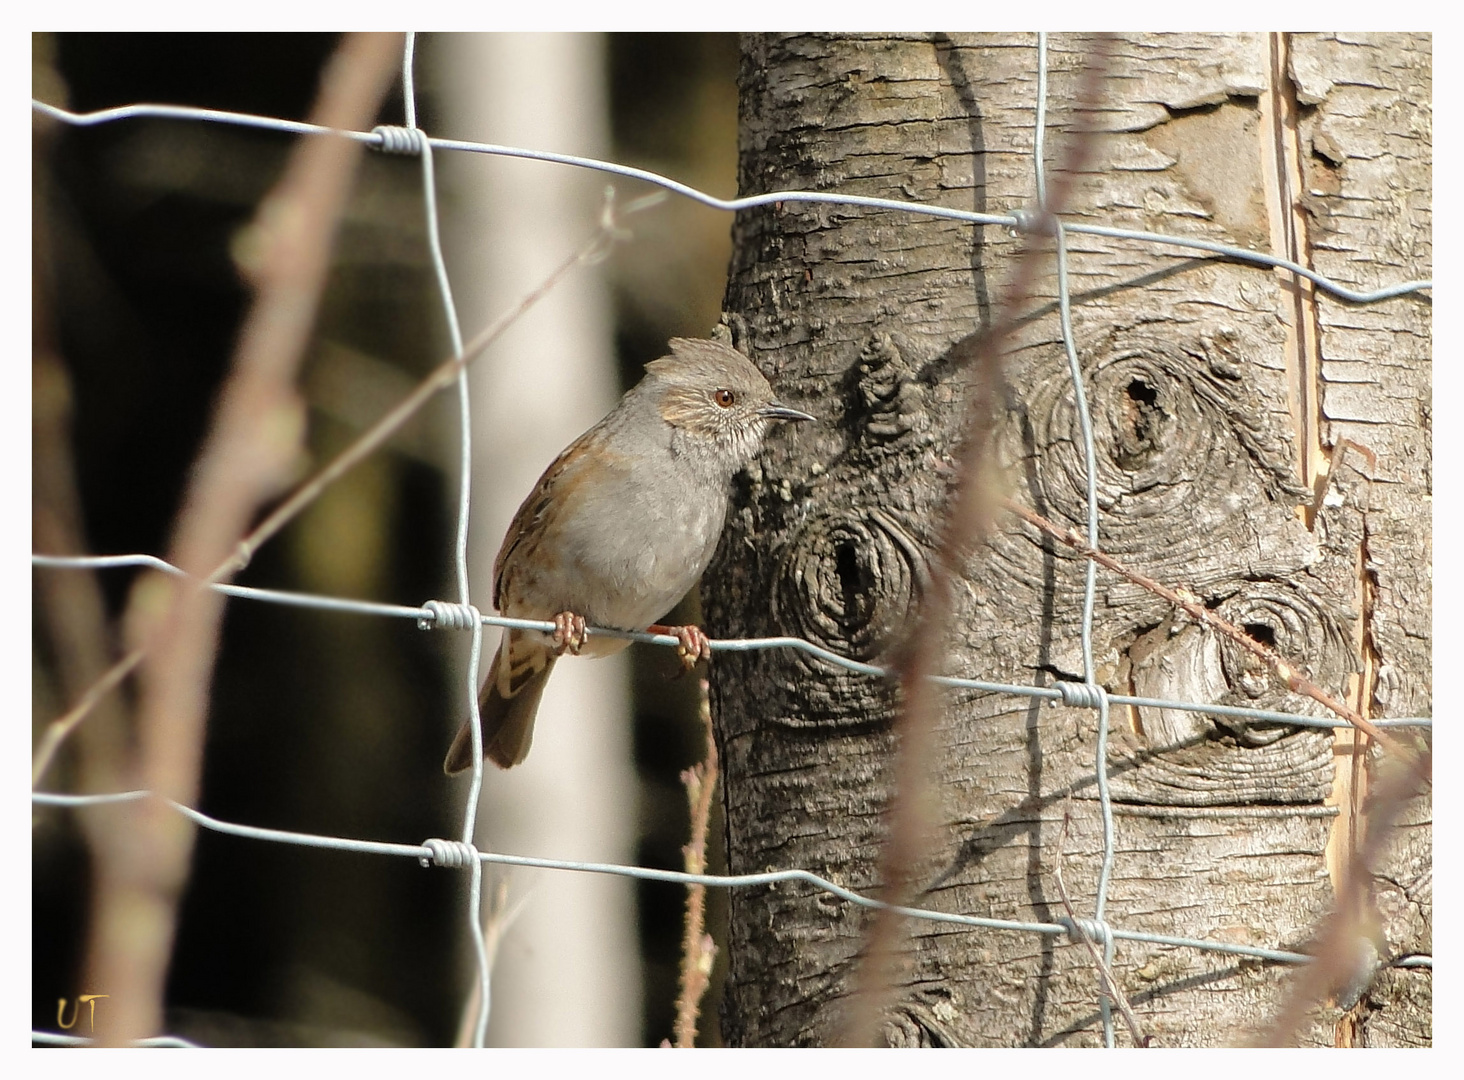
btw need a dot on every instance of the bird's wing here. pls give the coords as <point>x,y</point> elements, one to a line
<point>554,495</point>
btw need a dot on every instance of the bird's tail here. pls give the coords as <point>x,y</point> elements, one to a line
<point>507,706</point>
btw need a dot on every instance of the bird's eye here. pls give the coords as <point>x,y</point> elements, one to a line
<point>725,398</point>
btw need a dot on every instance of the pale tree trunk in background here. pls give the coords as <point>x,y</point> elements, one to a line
<point>568,969</point>
<point>1218,392</point>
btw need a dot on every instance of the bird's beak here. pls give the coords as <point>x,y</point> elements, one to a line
<point>775,411</point>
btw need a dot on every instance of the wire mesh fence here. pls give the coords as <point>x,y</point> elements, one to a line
<point>461,615</point>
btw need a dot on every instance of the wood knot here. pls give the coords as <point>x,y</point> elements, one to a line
<point>1294,624</point>
<point>1190,448</point>
<point>849,581</point>
<point>1173,424</point>
<point>1195,759</point>
<point>1139,427</point>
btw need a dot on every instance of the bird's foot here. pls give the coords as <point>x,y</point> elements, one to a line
<point>691,644</point>
<point>569,633</point>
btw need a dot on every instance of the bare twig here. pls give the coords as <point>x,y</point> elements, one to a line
<point>58,730</point>
<point>1110,984</point>
<point>498,918</point>
<point>255,436</point>
<point>698,952</point>
<point>916,659</point>
<point>70,606</point>
<point>1183,598</point>
<point>1336,950</point>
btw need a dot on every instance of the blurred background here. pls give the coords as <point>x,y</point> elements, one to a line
<point>337,724</point>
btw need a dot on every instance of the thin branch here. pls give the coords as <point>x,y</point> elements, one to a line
<point>1183,598</point>
<point>256,434</point>
<point>71,608</point>
<point>698,952</point>
<point>918,656</point>
<point>498,918</point>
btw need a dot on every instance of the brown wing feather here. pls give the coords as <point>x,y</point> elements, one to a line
<point>586,461</point>
<point>532,514</point>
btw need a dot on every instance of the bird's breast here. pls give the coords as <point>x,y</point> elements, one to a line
<point>623,551</point>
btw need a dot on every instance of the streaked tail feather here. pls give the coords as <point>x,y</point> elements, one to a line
<point>507,705</point>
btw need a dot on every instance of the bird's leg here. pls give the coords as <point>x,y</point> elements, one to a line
<point>569,633</point>
<point>691,644</point>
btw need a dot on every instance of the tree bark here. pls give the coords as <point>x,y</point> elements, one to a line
<point>1219,393</point>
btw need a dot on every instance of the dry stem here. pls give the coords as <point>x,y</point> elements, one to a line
<point>256,434</point>
<point>1337,955</point>
<point>697,950</point>
<point>70,605</point>
<point>969,511</point>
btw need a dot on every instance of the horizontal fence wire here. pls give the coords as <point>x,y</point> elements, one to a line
<point>455,853</point>
<point>437,614</point>
<point>54,1038</point>
<point>1022,220</point>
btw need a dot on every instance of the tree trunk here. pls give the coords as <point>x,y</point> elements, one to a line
<point>1219,393</point>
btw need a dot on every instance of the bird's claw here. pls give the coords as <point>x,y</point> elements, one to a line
<point>569,633</point>
<point>691,645</point>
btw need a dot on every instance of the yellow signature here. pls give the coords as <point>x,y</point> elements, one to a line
<point>85,999</point>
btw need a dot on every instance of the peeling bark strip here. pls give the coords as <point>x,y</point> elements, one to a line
<point>856,315</point>
<point>1365,130</point>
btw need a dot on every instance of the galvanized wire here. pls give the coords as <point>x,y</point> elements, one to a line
<point>462,615</point>
<point>453,853</point>
<point>1018,220</point>
<point>52,1038</point>
<point>445,615</point>
<point>460,548</point>
<point>1090,579</point>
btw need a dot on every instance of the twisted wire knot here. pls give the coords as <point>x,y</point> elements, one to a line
<point>1095,930</point>
<point>399,140</point>
<point>1034,222</point>
<point>445,615</point>
<point>1082,695</point>
<point>451,854</point>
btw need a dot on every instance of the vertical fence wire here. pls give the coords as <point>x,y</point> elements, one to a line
<point>460,546</point>
<point>1090,469</point>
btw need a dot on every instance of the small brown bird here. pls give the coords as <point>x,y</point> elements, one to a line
<point>619,528</point>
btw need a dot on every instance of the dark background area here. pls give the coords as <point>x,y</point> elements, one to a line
<point>319,722</point>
